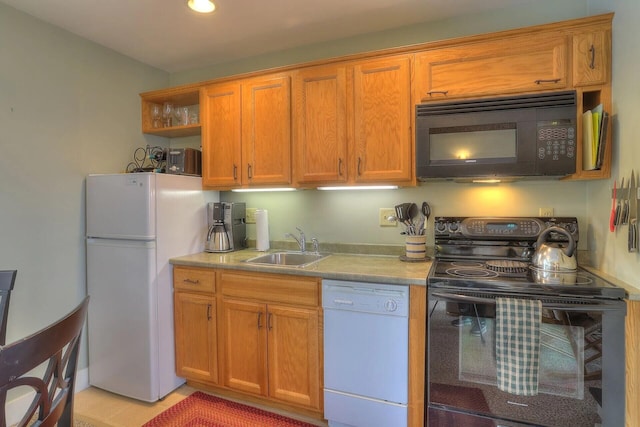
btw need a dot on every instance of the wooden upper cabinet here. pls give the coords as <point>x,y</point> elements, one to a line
<point>522,64</point>
<point>382,137</point>
<point>266,130</point>
<point>319,125</point>
<point>221,135</point>
<point>155,124</point>
<point>591,57</point>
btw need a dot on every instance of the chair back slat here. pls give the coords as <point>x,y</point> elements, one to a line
<point>7,280</point>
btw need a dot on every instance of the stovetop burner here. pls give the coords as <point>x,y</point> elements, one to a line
<point>507,266</point>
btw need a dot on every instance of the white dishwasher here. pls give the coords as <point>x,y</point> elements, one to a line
<point>366,337</point>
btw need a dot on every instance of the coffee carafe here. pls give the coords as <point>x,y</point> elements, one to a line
<point>227,227</point>
<point>217,237</point>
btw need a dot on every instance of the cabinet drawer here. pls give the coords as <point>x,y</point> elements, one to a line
<point>271,287</point>
<point>194,279</point>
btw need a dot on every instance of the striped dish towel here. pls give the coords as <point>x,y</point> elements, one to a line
<point>518,345</point>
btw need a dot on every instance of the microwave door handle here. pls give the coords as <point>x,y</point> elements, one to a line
<point>548,305</point>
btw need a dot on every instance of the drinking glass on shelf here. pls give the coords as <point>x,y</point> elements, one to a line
<point>182,114</point>
<point>156,114</point>
<point>167,112</point>
<point>193,117</point>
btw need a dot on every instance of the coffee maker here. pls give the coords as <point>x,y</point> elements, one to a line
<point>227,227</point>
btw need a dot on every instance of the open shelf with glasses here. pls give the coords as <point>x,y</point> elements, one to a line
<point>172,113</point>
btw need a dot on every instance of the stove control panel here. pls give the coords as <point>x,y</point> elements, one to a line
<point>502,228</point>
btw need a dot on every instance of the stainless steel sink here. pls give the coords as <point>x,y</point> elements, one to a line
<point>288,259</point>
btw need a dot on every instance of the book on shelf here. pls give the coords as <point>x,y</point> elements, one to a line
<point>594,137</point>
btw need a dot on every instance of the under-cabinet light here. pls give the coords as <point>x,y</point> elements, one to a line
<point>486,181</point>
<point>252,190</point>
<point>368,187</point>
<point>201,6</point>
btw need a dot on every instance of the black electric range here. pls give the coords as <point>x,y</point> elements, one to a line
<point>493,254</point>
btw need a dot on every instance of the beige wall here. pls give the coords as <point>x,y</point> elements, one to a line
<point>68,107</point>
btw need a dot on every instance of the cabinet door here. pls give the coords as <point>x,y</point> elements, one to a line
<point>319,119</point>
<point>382,120</point>
<point>518,64</point>
<point>294,355</point>
<point>591,53</point>
<point>221,135</point>
<point>245,346</point>
<point>266,131</point>
<point>195,333</point>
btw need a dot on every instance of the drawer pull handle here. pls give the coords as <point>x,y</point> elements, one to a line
<point>541,81</point>
<point>260,320</point>
<point>249,171</point>
<point>437,92</point>
<point>208,311</point>
<point>270,321</point>
<point>340,167</point>
<point>592,50</point>
<point>191,281</point>
<point>359,164</point>
<point>235,172</point>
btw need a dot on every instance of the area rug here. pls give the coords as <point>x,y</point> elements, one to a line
<point>203,410</point>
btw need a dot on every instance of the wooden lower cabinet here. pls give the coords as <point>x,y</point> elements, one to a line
<point>270,337</point>
<point>258,337</point>
<point>272,350</point>
<point>195,332</point>
<point>195,323</point>
<point>294,355</point>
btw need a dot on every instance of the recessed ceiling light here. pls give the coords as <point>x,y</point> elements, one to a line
<point>202,6</point>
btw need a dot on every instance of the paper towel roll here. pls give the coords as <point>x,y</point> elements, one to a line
<point>262,230</point>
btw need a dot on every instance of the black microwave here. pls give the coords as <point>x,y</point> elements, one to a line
<point>530,136</point>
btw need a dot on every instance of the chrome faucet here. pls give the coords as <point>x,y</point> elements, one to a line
<point>302,241</point>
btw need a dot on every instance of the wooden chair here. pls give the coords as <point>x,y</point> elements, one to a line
<point>7,279</point>
<point>54,348</point>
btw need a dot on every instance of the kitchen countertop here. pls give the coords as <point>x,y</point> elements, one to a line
<point>362,268</point>
<point>357,267</point>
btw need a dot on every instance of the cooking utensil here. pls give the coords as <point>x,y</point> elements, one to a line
<point>551,256</point>
<point>612,217</point>
<point>426,213</point>
<point>633,215</point>
<point>618,204</point>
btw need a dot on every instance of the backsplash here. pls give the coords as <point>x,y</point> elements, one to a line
<point>351,217</point>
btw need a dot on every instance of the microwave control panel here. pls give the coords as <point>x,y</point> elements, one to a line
<point>556,141</point>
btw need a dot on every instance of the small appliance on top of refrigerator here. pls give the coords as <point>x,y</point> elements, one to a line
<point>227,227</point>
<point>135,223</point>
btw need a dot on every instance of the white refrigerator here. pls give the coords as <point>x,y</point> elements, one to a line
<point>135,223</point>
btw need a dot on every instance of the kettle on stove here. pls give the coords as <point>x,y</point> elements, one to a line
<point>551,256</point>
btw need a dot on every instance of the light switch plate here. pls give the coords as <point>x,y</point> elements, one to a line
<point>383,216</point>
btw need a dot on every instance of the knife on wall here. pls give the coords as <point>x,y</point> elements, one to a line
<point>612,217</point>
<point>633,215</point>
<point>619,204</point>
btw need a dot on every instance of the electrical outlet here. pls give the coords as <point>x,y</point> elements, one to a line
<point>545,212</point>
<point>383,217</point>
<point>250,217</point>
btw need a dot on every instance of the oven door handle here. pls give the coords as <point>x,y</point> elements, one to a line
<point>548,305</point>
